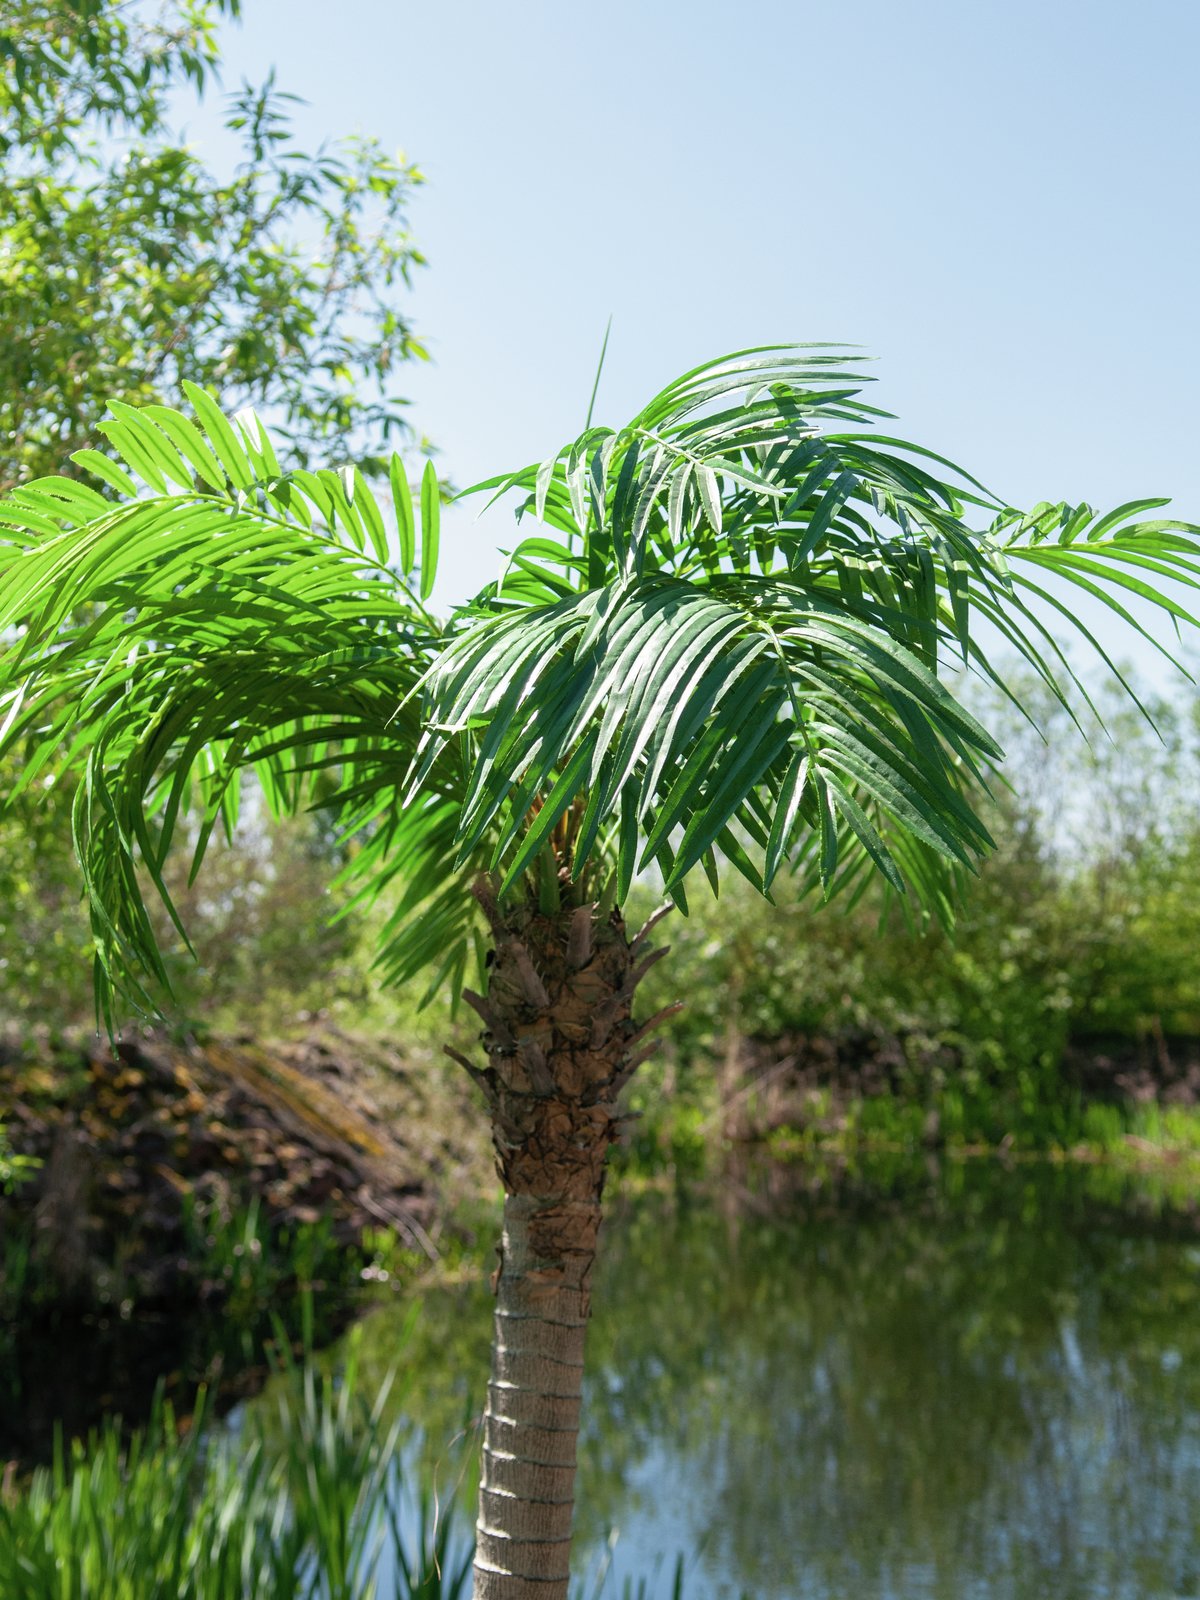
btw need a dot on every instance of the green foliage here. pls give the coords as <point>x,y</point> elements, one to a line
<point>296,1510</point>
<point>237,1265</point>
<point>1136,948</point>
<point>739,652</point>
<point>265,941</point>
<point>44,930</point>
<point>15,1169</point>
<point>126,265</point>
<point>1118,824</point>
<point>72,63</point>
<point>247,1265</point>
<point>786,968</point>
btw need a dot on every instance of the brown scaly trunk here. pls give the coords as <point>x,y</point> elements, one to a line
<point>561,1045</point>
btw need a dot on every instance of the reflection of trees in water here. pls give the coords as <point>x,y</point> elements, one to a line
<point>979,1390</point>
<point>911,1402</point>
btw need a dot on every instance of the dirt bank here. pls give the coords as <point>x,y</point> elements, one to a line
<point>143,1145</point>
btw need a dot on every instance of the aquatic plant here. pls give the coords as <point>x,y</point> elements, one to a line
<point>296,1507</point>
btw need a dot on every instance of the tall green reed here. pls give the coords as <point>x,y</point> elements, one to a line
<point>297,1510</point>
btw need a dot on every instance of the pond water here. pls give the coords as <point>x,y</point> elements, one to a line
<point>987,1388</point>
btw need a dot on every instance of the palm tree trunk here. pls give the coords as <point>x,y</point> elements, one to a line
<point>527,1490</point>
<point>561,1045</point>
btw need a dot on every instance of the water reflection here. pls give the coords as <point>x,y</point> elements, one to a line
<point>988,1388</point>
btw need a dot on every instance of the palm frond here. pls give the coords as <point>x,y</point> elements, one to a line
<point>231,621</point>
<point>732,627</point>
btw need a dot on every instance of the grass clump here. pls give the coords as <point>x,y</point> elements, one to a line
<point>301,1504</point>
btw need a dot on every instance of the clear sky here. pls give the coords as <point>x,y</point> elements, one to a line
<point>998,198</point>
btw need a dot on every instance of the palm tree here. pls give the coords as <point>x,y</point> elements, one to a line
<point>732,642</point>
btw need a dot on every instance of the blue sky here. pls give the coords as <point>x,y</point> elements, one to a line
<point>998,200</point>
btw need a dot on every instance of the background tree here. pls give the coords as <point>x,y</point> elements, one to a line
<point>126,262</point>
<point>729,644</point>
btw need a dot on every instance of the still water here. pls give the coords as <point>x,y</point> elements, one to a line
<point>985,1388</point>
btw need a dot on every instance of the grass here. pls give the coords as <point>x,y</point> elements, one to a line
<point>1171,1131</point>
<point>300,1505</point>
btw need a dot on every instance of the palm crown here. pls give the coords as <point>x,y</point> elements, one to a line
<point>724,640</point>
